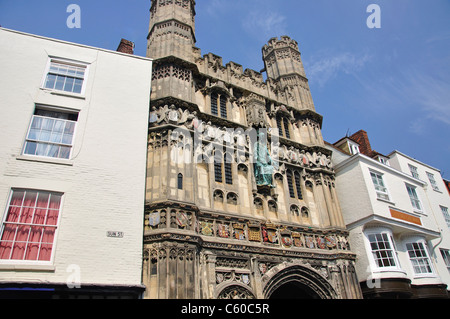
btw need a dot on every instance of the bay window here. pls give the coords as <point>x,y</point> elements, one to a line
<point>418,256</point>
<point>382,249</point>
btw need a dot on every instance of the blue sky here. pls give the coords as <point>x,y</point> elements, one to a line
<point>393,82</point>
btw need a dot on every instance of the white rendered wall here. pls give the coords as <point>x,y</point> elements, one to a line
<point>104,181</point>
<point>435,199</point>
<point>364,212</point>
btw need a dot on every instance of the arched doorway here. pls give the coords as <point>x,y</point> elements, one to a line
<point>294,290</point>
<point>297,282</point>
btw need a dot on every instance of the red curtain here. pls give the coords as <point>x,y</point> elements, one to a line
<point>30,226</point>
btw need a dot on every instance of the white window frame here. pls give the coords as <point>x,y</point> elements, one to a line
<point>445,253</point>
<point>354,148</point>
<point>381,190</point>
<point>5,215</point>
<point>383,160</point>
<point>414,200</point>
<point>386,234</point>
<point>432,181</point>
<point>414,172</point>
<point>446,215</point>
<point>67,62</point>
<point>417,261</point>
<point>51,109</point>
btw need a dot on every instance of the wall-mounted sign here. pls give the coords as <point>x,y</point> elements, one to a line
<point>406,217</point>
<point>114,234</point>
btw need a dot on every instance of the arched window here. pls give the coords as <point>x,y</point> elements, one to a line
<point>180,181</point>
<point>219,105</point>
<point>227,159</point>
<point>218,167</point>
<point>222,166</point>
<point>223,107</point>
<point>283,126</point>
<point>290,184</point>
<point>214,108</point>
<point>294,184</point>
<point>298,185</point>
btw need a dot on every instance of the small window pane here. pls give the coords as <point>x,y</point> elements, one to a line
<point>71,71</point>
<point>77,86</point>
<point>59,82</point>
<point>47,124</point>
<point>30,148</point>
<point>69,128</point>
<point>80,72</point>
<point>50,83</point>
<point>41,149</point>
<point>59,126</point>
<point>64,152</point>
<point>68,86</point>
<point>67,139</point>
<point>33,134</point>
<point>53,151</point>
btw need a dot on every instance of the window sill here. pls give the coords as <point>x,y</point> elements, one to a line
<point>426,276</point>
<point>419,213</point>
<point>378,270</point>
<point>66,94</point>
<point>385,201</point>
<point>49,160</point>
<point>26,267</point>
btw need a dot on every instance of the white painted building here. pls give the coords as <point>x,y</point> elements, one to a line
<point>393,229</point>
<point>437,196</point>
<point>73,145</point>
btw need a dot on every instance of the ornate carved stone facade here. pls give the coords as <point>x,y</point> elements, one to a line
<point>211,231</point>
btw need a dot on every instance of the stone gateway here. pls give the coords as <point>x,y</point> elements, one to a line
<point>218,223</point>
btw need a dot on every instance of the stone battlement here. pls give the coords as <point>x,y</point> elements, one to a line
<point>283,42</point>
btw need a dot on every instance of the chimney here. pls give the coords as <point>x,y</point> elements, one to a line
<point>126,46</point>
<point>362,139</point>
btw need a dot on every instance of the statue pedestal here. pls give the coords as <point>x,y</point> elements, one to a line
<point>265,190</point>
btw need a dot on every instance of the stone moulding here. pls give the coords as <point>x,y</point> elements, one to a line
<point>305,242</point>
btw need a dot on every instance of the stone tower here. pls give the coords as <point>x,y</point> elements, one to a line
<point>240,198</point>
<point>283,64</point>
<point>172,29</point>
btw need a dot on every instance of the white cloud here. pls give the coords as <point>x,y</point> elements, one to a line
<point>410,94</point>
<point>326,68</point>
<point>213,7</point>
<point>432,95</point>
<point>264,24</point>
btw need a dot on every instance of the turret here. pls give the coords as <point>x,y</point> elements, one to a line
<point>283,64</point>
<point>172,29</point>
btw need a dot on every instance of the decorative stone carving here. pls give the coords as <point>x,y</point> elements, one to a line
<point>236,292</point>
